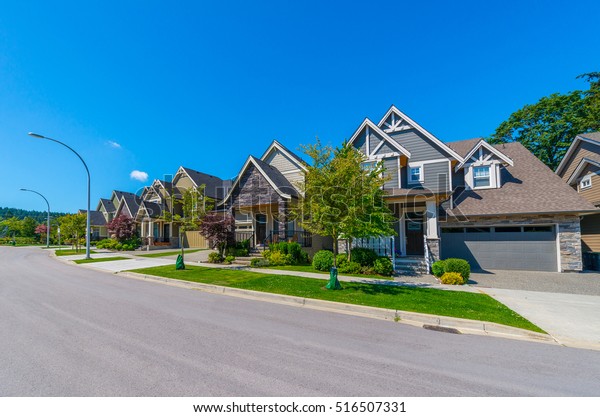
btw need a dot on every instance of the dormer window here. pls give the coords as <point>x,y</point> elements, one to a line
<point>586,182</point>
<point>481,177</point>
<point>415,174</point>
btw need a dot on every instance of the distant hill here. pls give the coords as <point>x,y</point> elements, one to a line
<point>39,216</point>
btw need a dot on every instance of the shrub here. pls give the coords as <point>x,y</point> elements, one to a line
<point>323,260</point>
<point>453,278</point>
<point>383,266</point>
<point>266,254</point>
<point>367,270</point>
<point>341,259</point>
<point>215,258</point>
<point>458,265</point>
<point>438,268</point>
<point>258,263</point>
<point>229,259</point>
<point>350,268</point>
<point>235,251</point>
<point>279,259</point>
<point>364,256</point>
<point>293,249</point>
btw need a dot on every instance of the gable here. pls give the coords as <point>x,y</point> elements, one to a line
<point>420,148</point>
<point>370,141</point>
<point>394,123</point>
<point>583,149</point>
<point>288,167</point>
<point>253,189</point>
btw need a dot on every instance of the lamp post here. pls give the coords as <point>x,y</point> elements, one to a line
<point>48,222</point>
<point>87,227</point>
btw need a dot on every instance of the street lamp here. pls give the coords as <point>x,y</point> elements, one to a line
<point>87,227</point>
<point>48,224</point>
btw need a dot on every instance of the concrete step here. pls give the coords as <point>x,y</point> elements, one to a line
<point>411,266</point>
<point>238,261</point>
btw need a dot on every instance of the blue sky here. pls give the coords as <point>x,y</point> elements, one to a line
<point>150,86</point>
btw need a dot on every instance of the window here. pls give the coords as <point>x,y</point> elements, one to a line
<point>586,182</point>
<point>415,174</point>
<point>508,229</point>
<point>452,230</point>
<point>478,230</point>
<point>369,166</point>
<point>481,176</point>
<point>537,229</point>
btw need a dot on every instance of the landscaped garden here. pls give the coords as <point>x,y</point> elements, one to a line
<point>421,300</point>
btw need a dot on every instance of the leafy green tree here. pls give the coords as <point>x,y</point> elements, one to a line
<point>548,127</point>
<point>12,226</point>
<point>28,226</point>
<point>343,197</point>
<point>73,227</point>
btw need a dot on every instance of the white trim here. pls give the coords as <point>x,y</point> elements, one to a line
<point>382,156</point>
<point>368,141</point>
<point>421,172</point>
<point>580,167</point>
<point>571,149</point>
<point>558,259</point>
<point>586,178</point>
<point>432,161</point>
<point>384,135</point>
<point>489,177</point>
<point>450,176</point>
<point>399,173</point>
<point>291,171</point>
<point>420,129</point>
<point>490,148</point>
<point>287,153</point>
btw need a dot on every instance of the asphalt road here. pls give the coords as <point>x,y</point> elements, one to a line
<point>72,331</point>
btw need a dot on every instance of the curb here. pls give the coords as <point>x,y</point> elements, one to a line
<point>442,323</point>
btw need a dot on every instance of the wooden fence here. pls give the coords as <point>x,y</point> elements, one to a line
<point>195,240</point>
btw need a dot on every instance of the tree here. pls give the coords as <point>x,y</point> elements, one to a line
<point>548,127</point>
<point>73,226</point>
<point>41,229</point>
<point>12,226</point>
<point>28,226</point>
<point>218,228</point>
<point>342,196</point>
<point>122,228</point>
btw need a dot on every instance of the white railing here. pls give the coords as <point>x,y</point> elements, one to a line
<point>427,260</point>
<point>383,246</point>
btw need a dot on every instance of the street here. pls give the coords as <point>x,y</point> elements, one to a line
<point>71,331</point>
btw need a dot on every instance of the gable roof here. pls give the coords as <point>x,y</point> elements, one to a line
<point>593,138</point>
<point>152,210</point>
<point>108,205</point>
<point>276,145</point>
<point>96,217</point>
<point>214,185</point>
<point>483,144</point>
<point>580,167</point>
<point>528,187</point>
<point>418,127</point>
<point>368,123</point>
<point>128,201</point>
<point>275,178</point>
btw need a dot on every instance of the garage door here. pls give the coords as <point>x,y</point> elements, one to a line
<point>530,248</point>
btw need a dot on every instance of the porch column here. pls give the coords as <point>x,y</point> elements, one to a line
<point>283,216</point>
<point>432,219</point>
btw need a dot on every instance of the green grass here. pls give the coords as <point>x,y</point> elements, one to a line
<point>91,261</point>
<point>66,252</point>
<point>309,268</point>
<point>421,300</point>
<point>175,252</point>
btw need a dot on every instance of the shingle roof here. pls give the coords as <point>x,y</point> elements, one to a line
<point>131,201</point>
<point>214,185</point>
<point>527,187</point>
<point>96,217</point>
<point>462,147</point>
<point>591,135</point>
<point>280,181</point>
<point>108,204</point>
<point>154,210</point>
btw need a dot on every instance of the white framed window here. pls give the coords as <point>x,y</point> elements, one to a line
<point>415,174</point>
<point>369,166</point>
<point>586,182</point>
<point>481,176</point>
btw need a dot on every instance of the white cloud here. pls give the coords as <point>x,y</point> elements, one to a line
<point>113,144</point>
<point>139,175</point>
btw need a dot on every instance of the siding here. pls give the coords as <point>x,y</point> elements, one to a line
<point>458,178</point>
<point>436,176</point>
<point>184,182</point>
<point>420,148</point>
<point>360,142</point>
<point>391,171</point>
<point>590,233</point>
<point>592,194</point>
<point>281,162</point>
<point>584,150</point>
<point>374,140</point>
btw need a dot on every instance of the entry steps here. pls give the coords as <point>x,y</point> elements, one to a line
<point>411,265</point>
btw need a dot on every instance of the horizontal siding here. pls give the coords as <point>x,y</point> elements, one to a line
<point>295,178</point>
<point>592,194</point>
<point>458,178</point>
<point>420,148</point>
<point>584,150</point>
<point>281,162</point>
<point>590,233</point>
<point>374,140</point>
<point>436,176</point>
<point>391,171</point>
<point>360,142</point>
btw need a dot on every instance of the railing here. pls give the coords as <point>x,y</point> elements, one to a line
<point>426,252</point>
<point>242,236</point>
<point>303,238</point>
<point>383,246</point>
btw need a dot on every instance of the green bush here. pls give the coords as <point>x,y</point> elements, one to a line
<point>367,270</point>
<point>296,255</point>
<point>229,259</point>
<point>350,268</point>
<point>215,258</point>
<point>279,247</point>
<point>19,240</point>
<point>258,263</point>
<point>383,266</point>
<point>279,259</point>
<point>341,259</point>
<point>364,256</point>
<point>235,251</point>
<point>438,268</point>
<point>113,244</point>
<point>452,278</point>
<point>323,260</point>
<point>458,265</point>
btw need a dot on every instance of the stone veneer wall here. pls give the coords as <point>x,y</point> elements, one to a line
<point>569,233</point>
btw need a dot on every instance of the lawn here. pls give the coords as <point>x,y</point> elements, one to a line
<point>67,252</point>
<point>309,268</point>
<point>421,300</point>
<point>91,261</point>
<point>175,252</point>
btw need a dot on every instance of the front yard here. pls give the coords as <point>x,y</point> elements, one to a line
<point>421,300</point>
<point>310,268</point>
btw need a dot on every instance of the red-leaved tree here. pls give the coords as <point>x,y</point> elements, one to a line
<point>122,228</point>
<point>218,228</point>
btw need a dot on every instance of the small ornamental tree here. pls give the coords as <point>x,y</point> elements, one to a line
<point>122,228</point>
<point>218,228</point>
<point>41,230</point>
<point>73,227</point>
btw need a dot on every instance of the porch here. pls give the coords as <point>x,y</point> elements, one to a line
<point>159,234</point>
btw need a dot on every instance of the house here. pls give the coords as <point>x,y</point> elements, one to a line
<point>499,207</point>
<point>98,230</point>
<point>261,198</point>
<point>580,169</point>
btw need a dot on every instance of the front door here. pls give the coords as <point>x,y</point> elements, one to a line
<point>261,228</point>
<point>414,234</point>
<point>166,232</point>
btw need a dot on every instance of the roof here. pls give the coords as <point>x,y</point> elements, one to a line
<point>96,217</point>
<point>592,137</point>
<point>276,144</point>
<point>131,202</point>
<point>154,210</point>
<point>214,185</point>
<point>528,187</point>
<point>108,205</point>
<point>386,138</point>
<point>483,144</point>
<point>580,167</point>
<point>462,147</point>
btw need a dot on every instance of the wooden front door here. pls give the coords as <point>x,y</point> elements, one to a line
<point>414,234</point>
<point>261,228</point>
